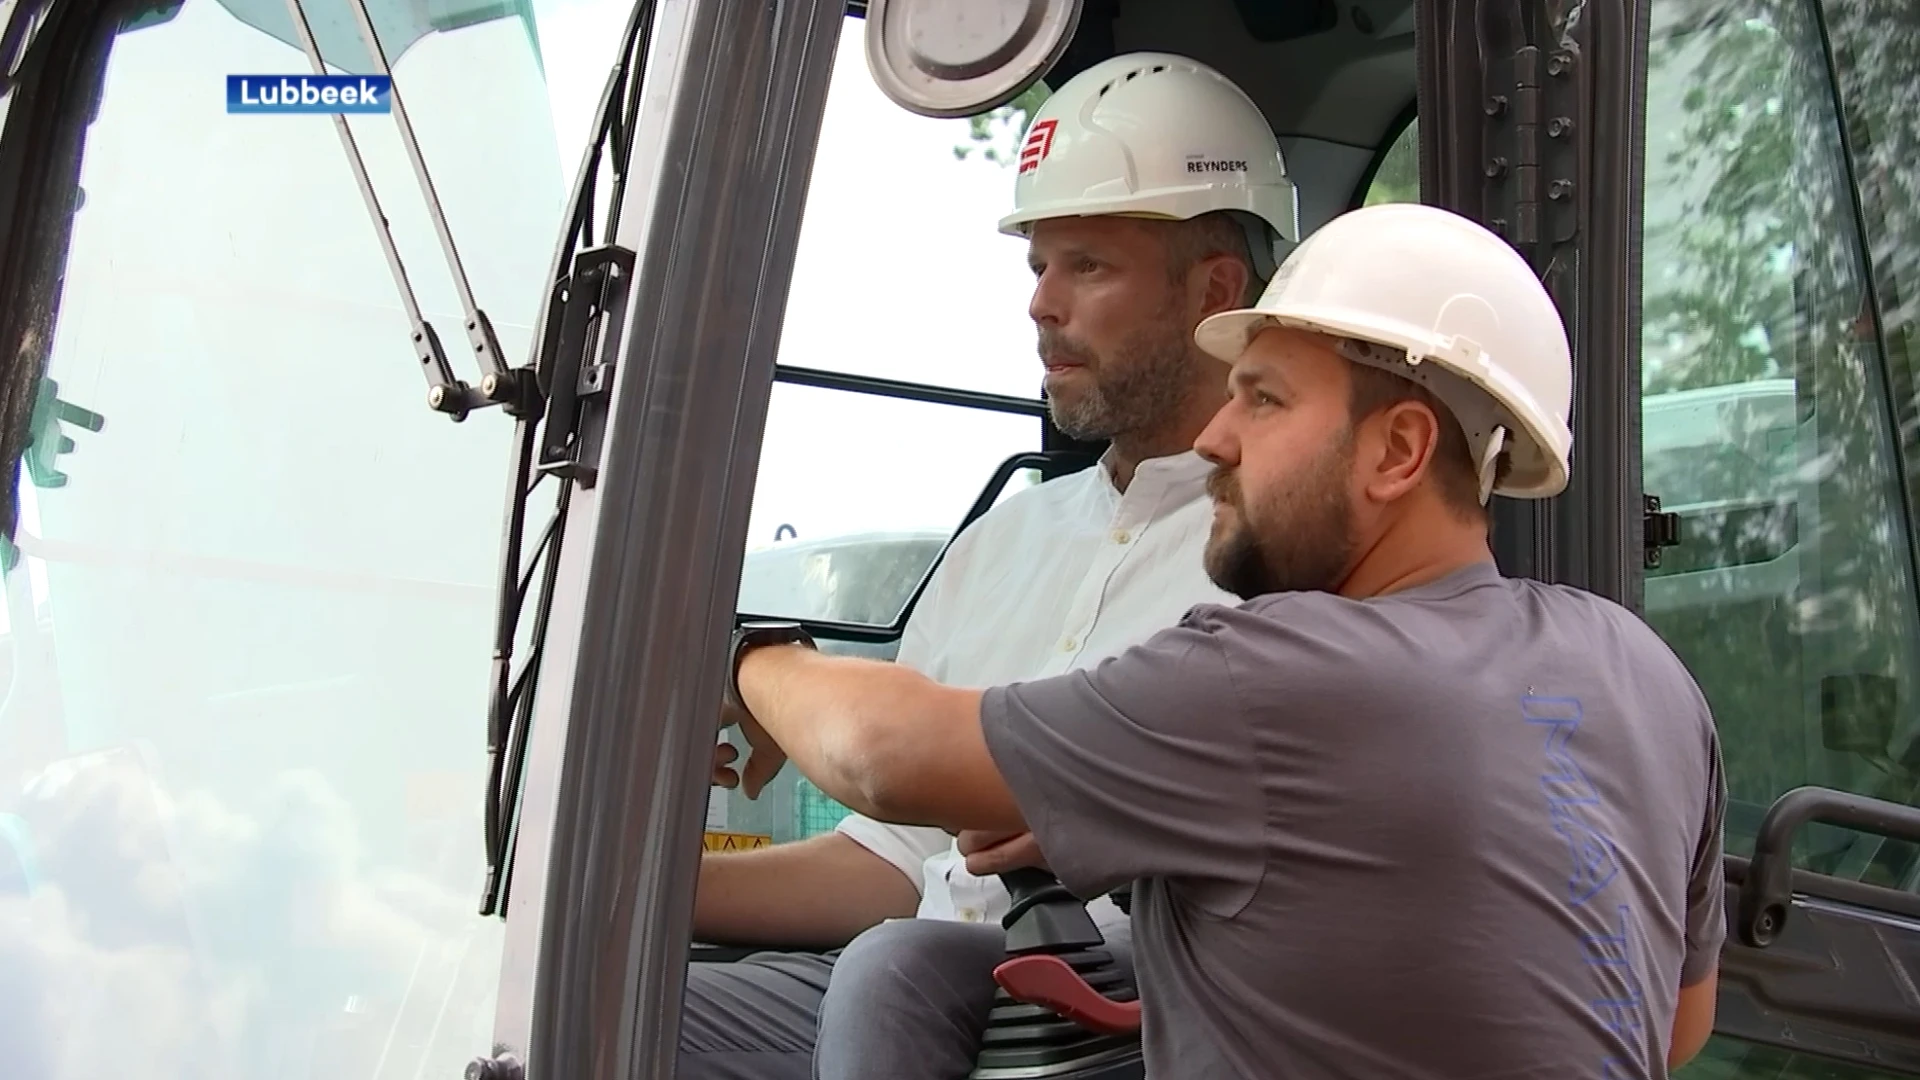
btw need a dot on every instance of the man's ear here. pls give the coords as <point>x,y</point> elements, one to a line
<point>1223,284</point>
<point>1407,436</point>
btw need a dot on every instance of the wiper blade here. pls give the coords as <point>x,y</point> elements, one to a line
<point>573,368</point>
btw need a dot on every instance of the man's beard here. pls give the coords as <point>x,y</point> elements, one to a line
<point>1138,388</point>
<point>1312,543</point>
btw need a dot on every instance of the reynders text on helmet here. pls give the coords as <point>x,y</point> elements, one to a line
<point>1160,136</point>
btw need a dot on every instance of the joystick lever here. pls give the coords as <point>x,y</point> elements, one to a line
<point>1045,922</point>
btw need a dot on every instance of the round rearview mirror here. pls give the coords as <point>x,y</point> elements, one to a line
<point>955,58</point>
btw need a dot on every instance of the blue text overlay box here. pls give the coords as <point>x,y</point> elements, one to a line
<point>309,94</point>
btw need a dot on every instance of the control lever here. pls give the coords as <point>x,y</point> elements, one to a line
<point>1044,921</point>
<point>1044,915</point>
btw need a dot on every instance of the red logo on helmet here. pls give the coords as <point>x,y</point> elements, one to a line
<point>1039,141</point>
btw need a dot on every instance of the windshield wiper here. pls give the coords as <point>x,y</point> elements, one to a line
<point>548,396</point>
<point>572,367</point>
<point>446,392</point>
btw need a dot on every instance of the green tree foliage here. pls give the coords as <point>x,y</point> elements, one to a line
<point>1398,178</point>
<point>1755,282</point>
<point>996,134</point>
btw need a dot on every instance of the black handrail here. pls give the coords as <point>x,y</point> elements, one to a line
<point>1767,895</point>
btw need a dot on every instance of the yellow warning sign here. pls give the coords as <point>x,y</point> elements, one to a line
<point>736,841</point>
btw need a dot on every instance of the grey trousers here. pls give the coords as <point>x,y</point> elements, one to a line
<point>907,1000</point>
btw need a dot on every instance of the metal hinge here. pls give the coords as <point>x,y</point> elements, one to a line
<point>1657,530</point>
<point>1532,104</point>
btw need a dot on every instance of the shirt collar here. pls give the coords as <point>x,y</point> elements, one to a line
<point>1182,476</point>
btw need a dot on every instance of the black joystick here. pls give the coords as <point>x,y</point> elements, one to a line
<point>1045,920</point>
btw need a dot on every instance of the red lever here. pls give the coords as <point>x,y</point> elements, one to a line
<point>1049,982</point>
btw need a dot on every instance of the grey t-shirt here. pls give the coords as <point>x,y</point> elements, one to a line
<point>1471,829</point>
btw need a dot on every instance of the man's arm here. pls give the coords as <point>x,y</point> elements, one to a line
<point>884,740</point>
<point>828,889</point>
<point>822,891</point>
<point>1706,927</point>
<point>1140,767</point>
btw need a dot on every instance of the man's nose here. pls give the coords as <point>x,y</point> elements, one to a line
<point>1219,443</point>
<point>1047,306</point>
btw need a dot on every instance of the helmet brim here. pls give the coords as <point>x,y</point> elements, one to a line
<point>1540,446</point>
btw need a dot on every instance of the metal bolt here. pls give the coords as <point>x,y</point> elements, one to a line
<point>1559,189</point>
<point>490,385</point>
<point>1558,63</point>
<point>1559,126</point>
<point>1496,167</point>
<point>1496,105</point>
<point>437,396</point>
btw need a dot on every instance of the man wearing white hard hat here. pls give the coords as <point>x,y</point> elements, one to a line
<point>1151,193</point>
<point>1394,814</point>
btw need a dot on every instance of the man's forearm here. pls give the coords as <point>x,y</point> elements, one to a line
<point>881,738</point>
<point>815,893</point>
<point>847,724</point>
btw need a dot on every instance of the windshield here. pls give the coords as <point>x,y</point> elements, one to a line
<point>243,727</point>
<point>248,628</point>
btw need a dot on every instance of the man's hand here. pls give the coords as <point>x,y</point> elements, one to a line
<point>764,756</point>
<point>991,853</point>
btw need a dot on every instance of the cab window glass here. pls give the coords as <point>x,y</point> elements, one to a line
<point>902,271</point>
<point>1397,179</point>
<point>1767,427</point>
<point>242,752</point>
<point>902,274</point>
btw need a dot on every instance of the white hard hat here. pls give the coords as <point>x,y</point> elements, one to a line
<point>1155,135</point>
<point>1410,284</point>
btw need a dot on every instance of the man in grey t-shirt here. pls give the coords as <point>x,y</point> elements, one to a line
<point>1395,815</point>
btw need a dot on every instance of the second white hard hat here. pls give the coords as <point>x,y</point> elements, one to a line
<point>1415,286</point>
<point>1154,135</point>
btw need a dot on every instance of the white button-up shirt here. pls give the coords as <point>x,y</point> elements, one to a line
<point>1057,577</point>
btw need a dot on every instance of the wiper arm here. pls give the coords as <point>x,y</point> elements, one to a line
<point>548,396</point>
<point>446,392</point>
<point>486,348</point>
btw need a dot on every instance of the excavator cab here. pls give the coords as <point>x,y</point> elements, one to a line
<point>383,486</point>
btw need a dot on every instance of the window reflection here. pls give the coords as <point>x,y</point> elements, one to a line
<point>242,778</point>
<point>1767,428</point>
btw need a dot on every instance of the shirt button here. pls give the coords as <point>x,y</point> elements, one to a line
<point>1068,645</point>
<point>1122,536</point>
<point>969,915</point>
